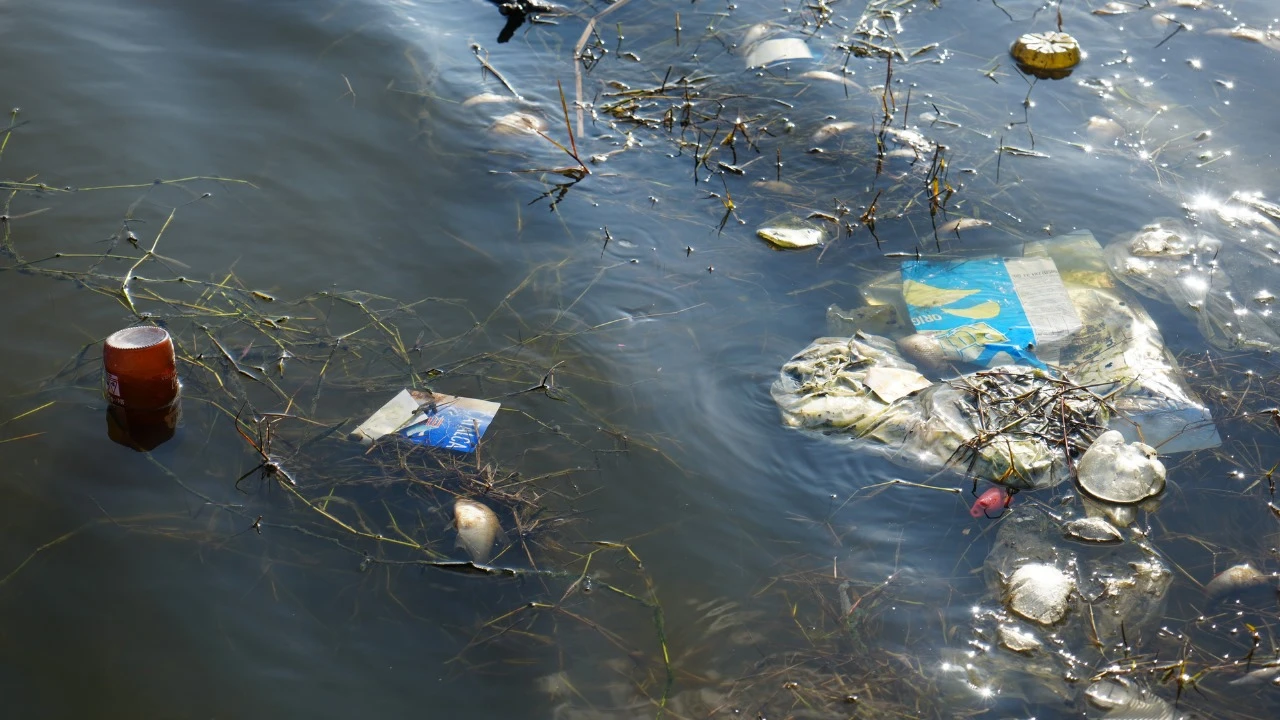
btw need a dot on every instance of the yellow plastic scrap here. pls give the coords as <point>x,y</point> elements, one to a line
<point>982,311</point>
<point>924,295</point>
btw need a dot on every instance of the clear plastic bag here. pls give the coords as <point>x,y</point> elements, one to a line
<point>1221,286</point>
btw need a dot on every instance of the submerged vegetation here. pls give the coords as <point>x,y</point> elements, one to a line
<point>289,378</point>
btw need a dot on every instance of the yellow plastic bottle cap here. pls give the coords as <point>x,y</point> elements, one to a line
<point>1047,51</point>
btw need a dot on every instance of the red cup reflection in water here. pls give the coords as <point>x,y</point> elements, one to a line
<point>143,430</point>
<point>140,368</point>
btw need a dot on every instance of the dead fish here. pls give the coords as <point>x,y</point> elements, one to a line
<point>478,529</point>
<point>1104,127</point>
<point>1239,580</point>
<point>1267,38</point>
<point>830,130</point>
<point>913,139</point>
<point>904,152</point>
<point>828,76</point>
<point>924,49</point>
<point>1021,152</point>
<point>1267,674</point>
<point>1242,32</point>
<point>1256,202</point>
<point>776,186</point>
<point>962,224</point>
<point>1116,8</point>
<point>1092,530</point>
<point>519,123</point>
<point>487,99</point>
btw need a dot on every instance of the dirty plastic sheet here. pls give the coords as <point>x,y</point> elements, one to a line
<point>1120,354</point>
<point>1114,372</point>
<point>825,387</point>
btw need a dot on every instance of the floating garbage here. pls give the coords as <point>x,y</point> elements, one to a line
<point>1121,346</point>
<point>989,311</point>
<point>1048,55</point>
<point>1114,471</point>
<point>140,368</point>
<point>831,77</point>
<point>767,45</point>
<point>433,419</point>
<point>889,384</point>
<point>1025,372</point>
<point>996,499</point>
<point>1080,358</point>
<point>825,385</point>
<point>906,141</point>
<point>946,424</point>
<point>1057,598</point>
<point>1039,592</point>
<point>1119,516</point>
<point>140,379</point>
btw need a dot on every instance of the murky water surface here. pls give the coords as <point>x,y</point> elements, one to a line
<point>676,545</point>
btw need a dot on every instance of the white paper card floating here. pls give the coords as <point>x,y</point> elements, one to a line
<point>433,419</point>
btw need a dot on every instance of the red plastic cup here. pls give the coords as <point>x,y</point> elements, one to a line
<point>140,368</point>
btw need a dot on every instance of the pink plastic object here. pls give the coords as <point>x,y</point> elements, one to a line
<point>996,498</point>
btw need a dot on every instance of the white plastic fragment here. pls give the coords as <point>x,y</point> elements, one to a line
<point>889,384</point>
<point>1114,471</point>
<point>791,238</point>
<point>777,50</point>
<point>1039,593</point>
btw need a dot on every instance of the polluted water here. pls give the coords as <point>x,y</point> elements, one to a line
<point>643,359</point>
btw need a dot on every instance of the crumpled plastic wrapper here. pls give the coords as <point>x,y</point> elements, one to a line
<point>1116,374</point>
<point>825,387</point>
